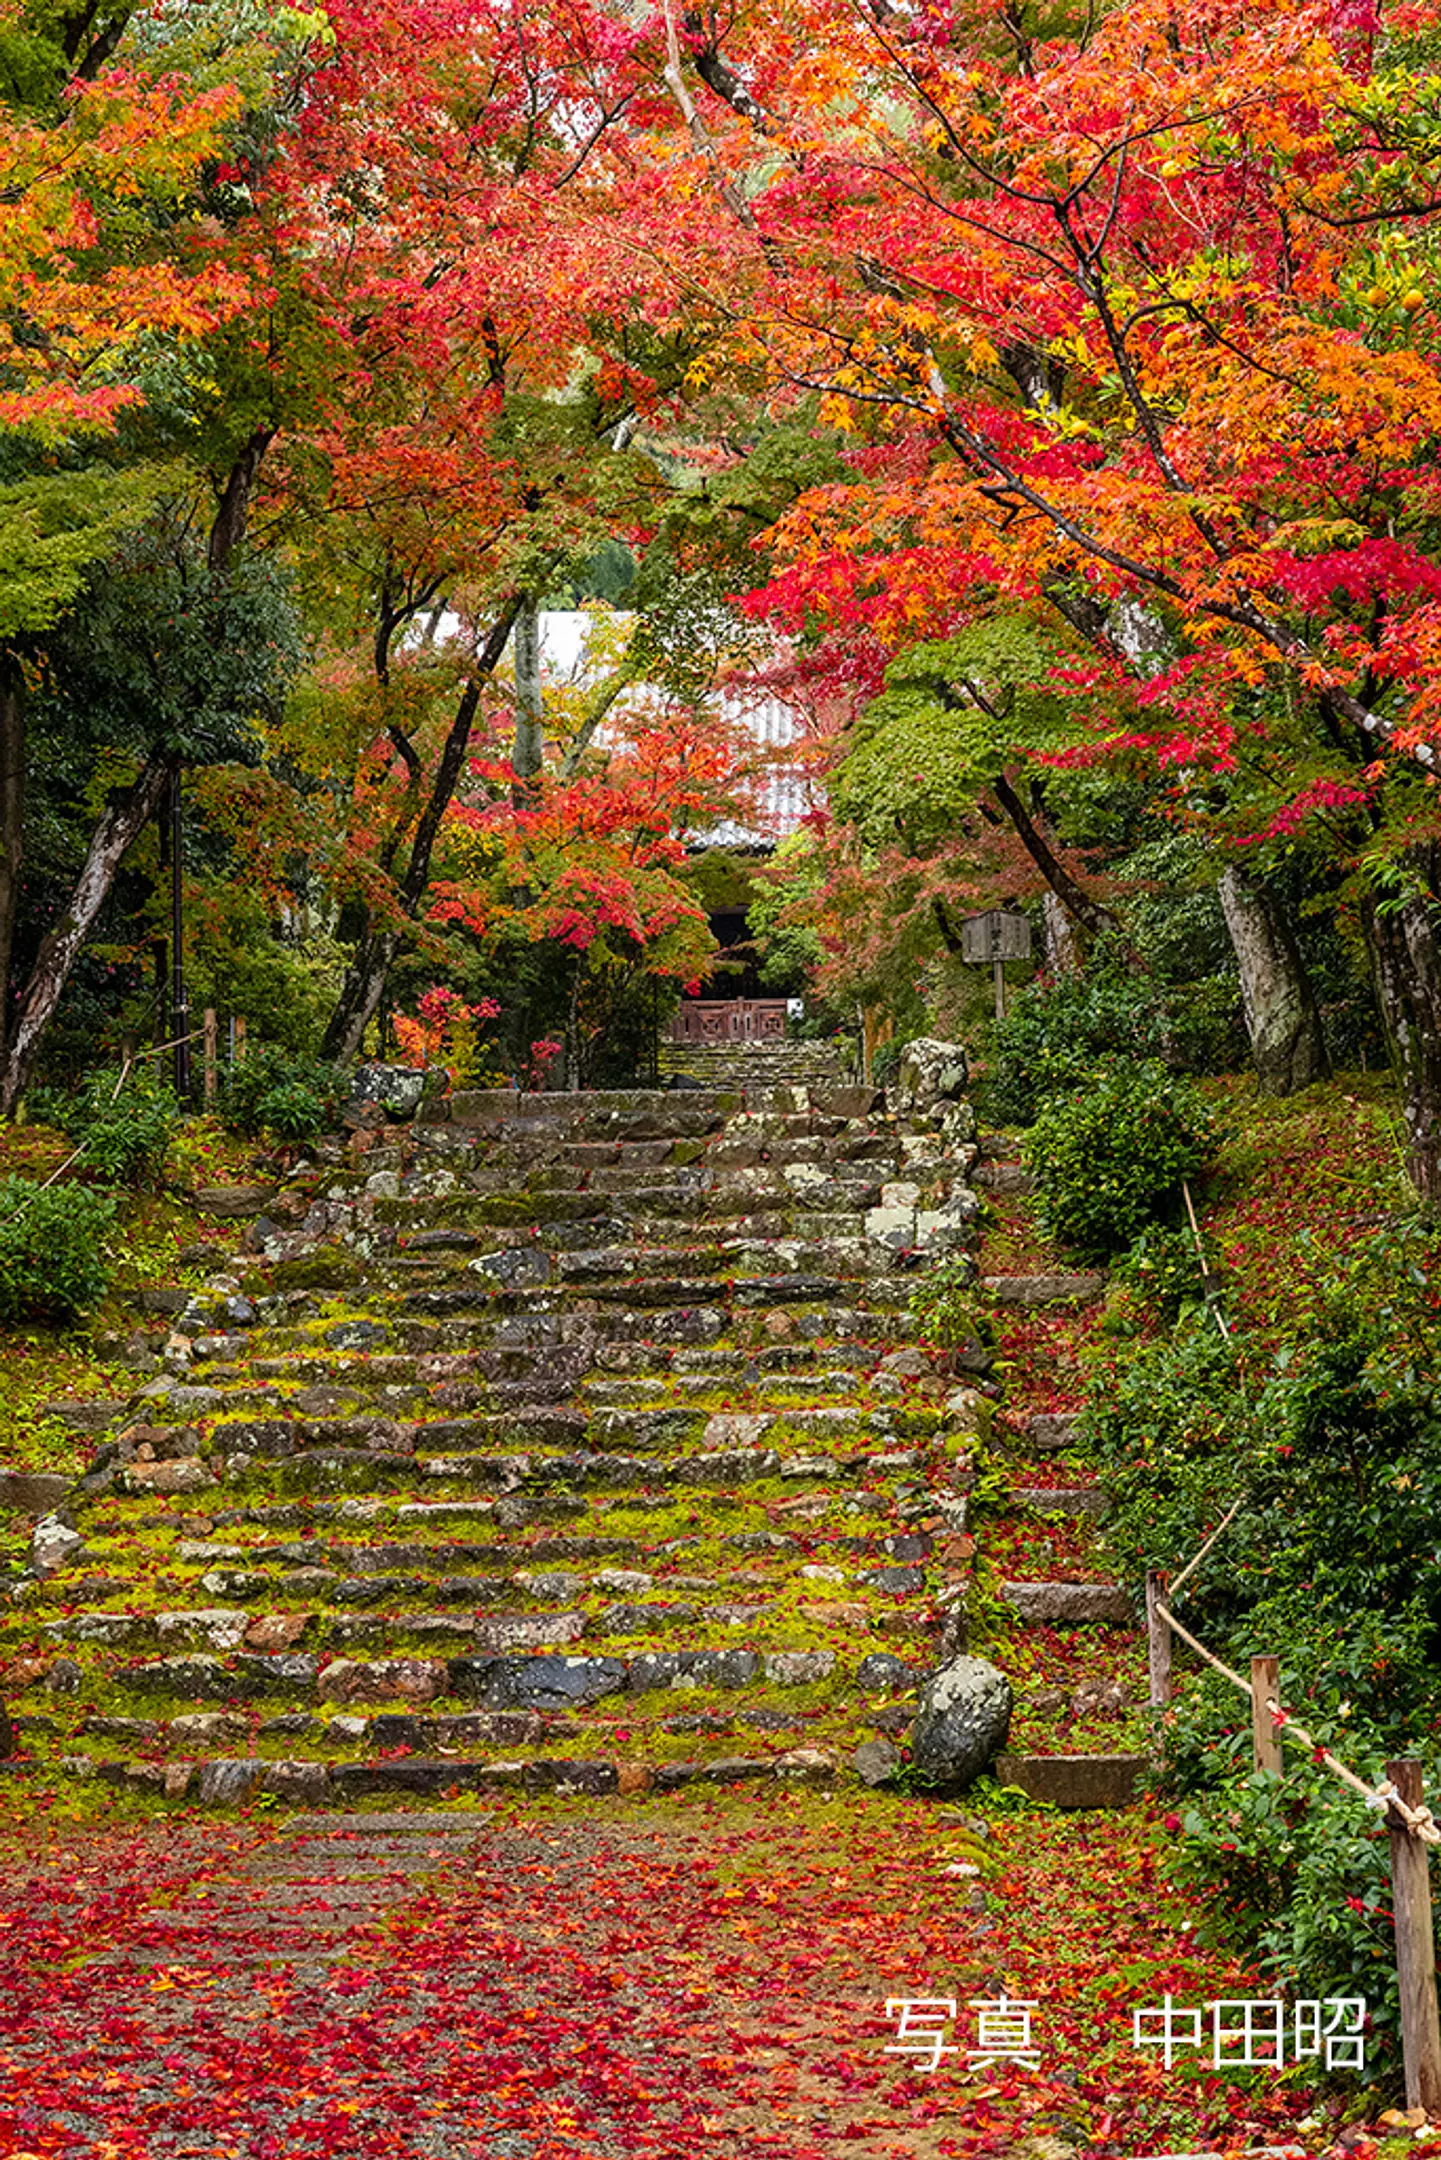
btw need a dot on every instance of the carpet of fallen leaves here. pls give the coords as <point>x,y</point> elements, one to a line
<point>651,1979</point>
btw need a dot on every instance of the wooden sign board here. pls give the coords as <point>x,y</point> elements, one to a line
<point>996,935</point>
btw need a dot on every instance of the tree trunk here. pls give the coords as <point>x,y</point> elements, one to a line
<point>12,826</point>
<point>529,752</point>
<point>1405,948</point>
<point>122,818</point>
<point>374,956</point>
<point>1060,938</point>
<point>1282,1019</point>
<point>1092,915</point>
<point>232,512</point>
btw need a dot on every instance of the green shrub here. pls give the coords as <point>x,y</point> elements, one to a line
<point>1057,1030</point>
<point>1334,1450</point>
<point>1297,1872</point>
<point>281,1097</point>
<point>1162,1271</point>
<point>125,1130</point>
<point>886,1062</point>
<point>1110,1158</point>
<point>53,1264</point>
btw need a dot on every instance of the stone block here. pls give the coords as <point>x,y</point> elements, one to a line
<point>805,1766</point>
<point>542,1682</point>
<point>224,1783</point>
<point>234,1202</point>
<point>530,1631</point>
<point>33,1492</point>
<point>894,1228</point>
<point>564,1775</point>
<point>1069,1604</point>
<point>799,1668</point>
<point>1074,1781</point>
<point>875,1762</point>
<point>186,1476</point>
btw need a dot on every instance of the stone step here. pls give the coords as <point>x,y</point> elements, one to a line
<point>1037,1290</point>
<point>622,1114</point>
<point>487,1674</point>
<point>558,1410</point>
<point>1003,1177</point>
<point>1073,1781</point>
<point>1052,1431</point>
<point>1088,1501</point>
<point>452,1620</point>
<point>323,1470</point>
<point>231,1782</point>
<point>536,1366</point>
<point>1069,1604</point>
<point>420,1728</point>
<point>95,1416</point>
<point>647,1390</point>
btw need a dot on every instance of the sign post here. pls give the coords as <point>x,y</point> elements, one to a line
<point>994,938</point>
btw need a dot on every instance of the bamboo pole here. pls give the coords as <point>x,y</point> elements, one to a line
<point>210,1057</point>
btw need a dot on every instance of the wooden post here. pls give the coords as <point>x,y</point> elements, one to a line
<point>998,970</point>
<point>1158,1639</point>
<point>1415,1947</point>
<point>210,1050</point>
<point>1265,1690</point>
<point>240,1038</point>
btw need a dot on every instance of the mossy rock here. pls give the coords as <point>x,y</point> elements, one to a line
<point>330,1268</point>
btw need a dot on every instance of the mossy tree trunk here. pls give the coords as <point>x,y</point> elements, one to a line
<point>1282,1017</point>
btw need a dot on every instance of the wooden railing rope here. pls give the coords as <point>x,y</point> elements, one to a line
<point>1410,1823</point>
<point>1418,1820</point>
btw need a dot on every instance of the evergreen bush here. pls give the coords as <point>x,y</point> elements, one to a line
<point>53,1263</point>
<point>276,1095</point>
<point>1109,1158</point>
<point>125,1130</point>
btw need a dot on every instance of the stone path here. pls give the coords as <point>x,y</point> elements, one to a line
<point>433,1985</point>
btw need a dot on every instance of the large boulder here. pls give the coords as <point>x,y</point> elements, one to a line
<point>962,1722</point>
<point>930,1073</point>
<point>398,1090</point>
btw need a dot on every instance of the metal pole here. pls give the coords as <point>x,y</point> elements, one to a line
<point>179,1004</point>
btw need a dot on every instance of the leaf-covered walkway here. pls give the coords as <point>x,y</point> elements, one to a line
<point>700,1975</point>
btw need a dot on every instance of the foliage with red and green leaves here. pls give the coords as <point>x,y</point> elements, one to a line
<point>709,1976</point>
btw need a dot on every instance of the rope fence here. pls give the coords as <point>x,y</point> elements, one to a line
<point>1398,1797</point>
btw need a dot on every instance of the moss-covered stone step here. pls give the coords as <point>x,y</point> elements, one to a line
<point>1032,1291</point>
<point>493,1674</point>
<point>1087,1501</point>
<point>621,1114</point>
<point>233,1781</point>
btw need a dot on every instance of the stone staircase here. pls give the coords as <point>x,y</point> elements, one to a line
<point>752,1065</point>
<point>562,1441</point>
<point>577,1443</point>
